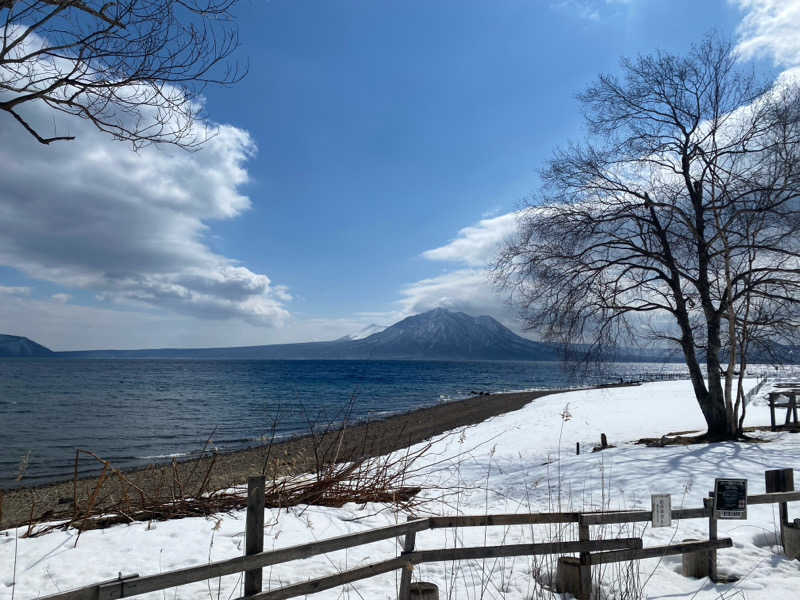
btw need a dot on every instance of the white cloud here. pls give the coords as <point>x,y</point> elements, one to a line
<point>61,298</point>
<point>130,227</point>
<point>468,290</point>
<point>476,245</point>
<point>590,10</point>
<point>770,28</point>
<point>468,286</point>
<point>14,291</point>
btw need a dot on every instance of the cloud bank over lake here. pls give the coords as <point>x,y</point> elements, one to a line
<point>131,227</point>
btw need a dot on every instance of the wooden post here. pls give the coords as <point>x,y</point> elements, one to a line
<point>574,575</point>
<point>585,558</point>
<point>695,564</point>
<point>712,535</point>
<point>772,411</point>
<point>780,480</point>
<point>568,576</point>
<point>405,574</point>
<point>791,545</point>
<point>254,531</point>
<point>423,590</point>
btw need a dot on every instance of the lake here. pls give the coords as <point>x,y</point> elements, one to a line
<point>134,412</point>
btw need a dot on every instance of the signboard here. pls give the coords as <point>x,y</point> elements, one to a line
<point>662,510</point>
<point>730,498</point>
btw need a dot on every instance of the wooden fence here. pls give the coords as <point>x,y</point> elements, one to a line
<point>753,391</point>
<point>790,405</point>
<point>592,552</point>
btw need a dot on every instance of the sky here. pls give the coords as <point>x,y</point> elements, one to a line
<point>367,168</point>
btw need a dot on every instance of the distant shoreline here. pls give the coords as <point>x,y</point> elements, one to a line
<point>365,439</point>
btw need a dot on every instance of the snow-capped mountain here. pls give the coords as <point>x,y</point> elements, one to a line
<point>445,334</point>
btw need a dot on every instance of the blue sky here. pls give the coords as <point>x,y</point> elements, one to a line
<point>385,127</point>
<point>367,170</point>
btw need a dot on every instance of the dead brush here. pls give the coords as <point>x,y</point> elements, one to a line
<point>114,498</point>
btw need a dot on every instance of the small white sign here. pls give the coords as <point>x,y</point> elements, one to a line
<point>662,510</point>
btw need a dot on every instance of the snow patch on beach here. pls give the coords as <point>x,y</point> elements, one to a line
<point>518,462</point>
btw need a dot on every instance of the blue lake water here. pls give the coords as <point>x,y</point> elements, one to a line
<point>134,412</point>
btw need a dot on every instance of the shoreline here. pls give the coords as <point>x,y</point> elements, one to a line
<point>295,455</point>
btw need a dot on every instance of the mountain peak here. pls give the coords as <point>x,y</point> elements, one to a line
<point>444,334</point>
<point>445,317</point>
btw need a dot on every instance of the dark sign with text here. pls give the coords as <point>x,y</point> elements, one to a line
<point>730,499</point>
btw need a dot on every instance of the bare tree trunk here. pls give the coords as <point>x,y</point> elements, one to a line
<point>740,396</point>
<point>732,342</point>
<point>710,398</point>
<point>713,406</point>
<point>744,343</point>
<point>731,316</point>
<point>730,410</point>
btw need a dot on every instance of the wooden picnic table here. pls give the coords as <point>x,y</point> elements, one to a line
<point>790,406</point>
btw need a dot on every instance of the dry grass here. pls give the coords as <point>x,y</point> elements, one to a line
<point>114,498</point>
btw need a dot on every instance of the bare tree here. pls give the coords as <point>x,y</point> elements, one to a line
<point>133,68</point>
<point>677,220</point>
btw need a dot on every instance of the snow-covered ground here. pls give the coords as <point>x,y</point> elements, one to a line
<point>518,462</point>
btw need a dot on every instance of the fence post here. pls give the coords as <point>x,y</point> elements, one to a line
<point>772,411</point>
<point>780,480</point>
<point>405,574</point>
<point>585,558</point>
<point>423,590</point>
<point>708,503</point>
<point>574,575</point>
<point>695,564</point>
<point>254,531</point>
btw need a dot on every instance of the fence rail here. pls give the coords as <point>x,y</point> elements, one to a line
<point>601,558</point>
<point>407,560</point>
<point>595,551</point>
<point>751,393</point>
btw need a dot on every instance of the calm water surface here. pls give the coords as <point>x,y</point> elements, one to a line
<point>134,412</point>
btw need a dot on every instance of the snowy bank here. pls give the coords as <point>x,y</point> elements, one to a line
<point>518,462</point>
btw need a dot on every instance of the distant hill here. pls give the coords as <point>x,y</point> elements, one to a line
<point>438,334</point>
<point>14,345</point>
<point>304,351</point>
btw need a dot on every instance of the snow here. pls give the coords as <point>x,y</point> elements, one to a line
<point>517,462</point>
<point>364,332</point>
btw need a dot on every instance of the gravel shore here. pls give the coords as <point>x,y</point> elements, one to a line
<point>373,438</point>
